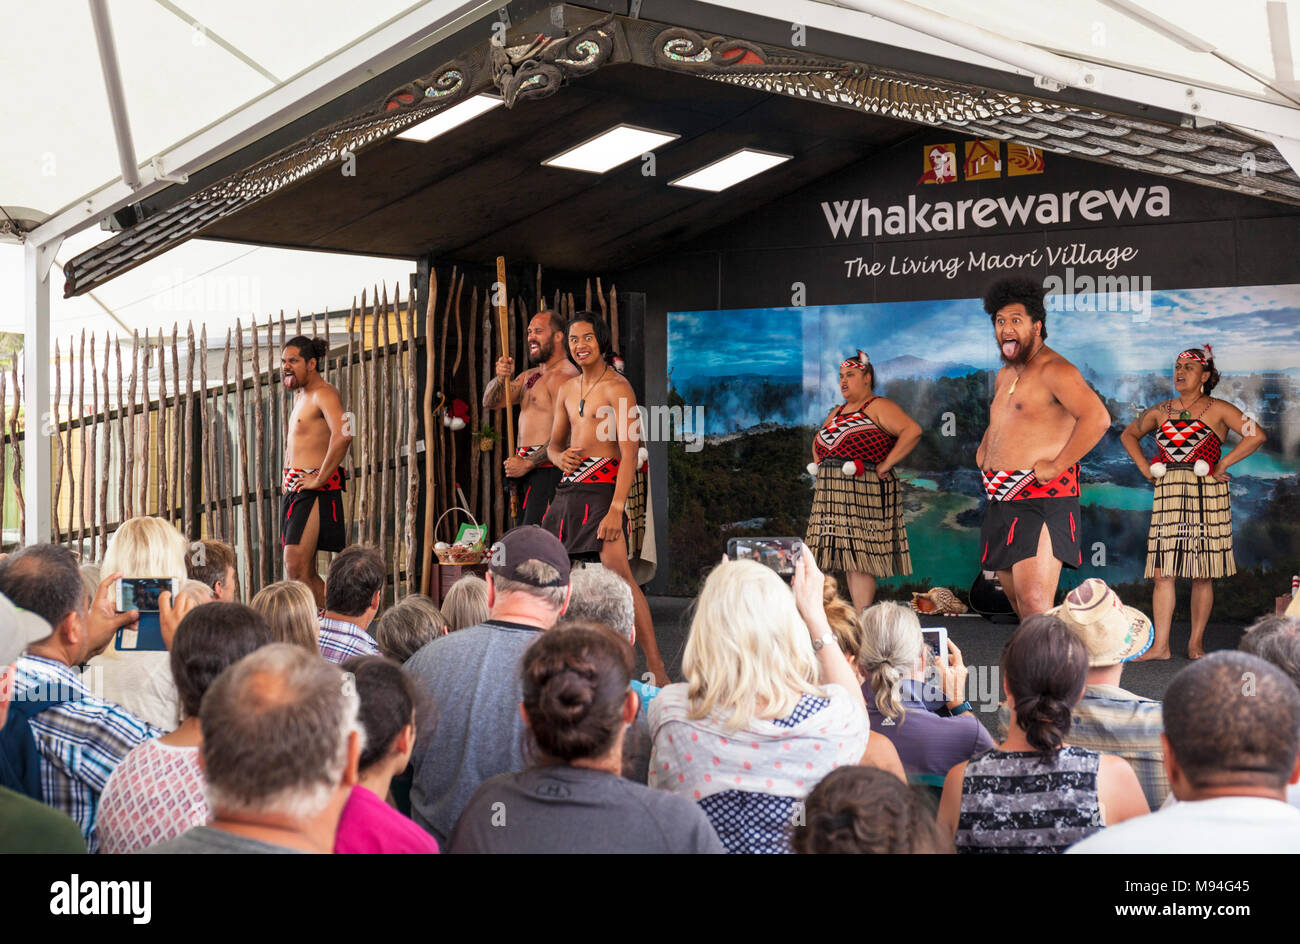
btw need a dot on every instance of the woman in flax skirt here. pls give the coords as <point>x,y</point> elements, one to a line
<point>856,524</point>
<point>1191,521</point>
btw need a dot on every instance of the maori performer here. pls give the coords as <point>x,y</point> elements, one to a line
<point>311,509</point>
<point>1191,521</point>
<point>1043,420</point>
<point>596,418</point>
<point>530,471</point>
<point>856,524</point>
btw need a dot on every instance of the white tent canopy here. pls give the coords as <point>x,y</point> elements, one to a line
<point>99,119</point>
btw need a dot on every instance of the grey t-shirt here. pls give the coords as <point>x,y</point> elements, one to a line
<point>473,678</point>
<point>575,809</point>
<point>204,840</point>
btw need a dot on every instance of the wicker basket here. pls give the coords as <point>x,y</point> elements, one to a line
<point>458,554</point>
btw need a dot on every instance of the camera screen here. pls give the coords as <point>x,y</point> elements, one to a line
<point>141,593</point>
<point>932,640</point>
<point>779,554</point>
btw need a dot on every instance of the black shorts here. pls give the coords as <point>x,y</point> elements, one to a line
<point>575,515</point>
<point>295,511</point>
<point>1011,531</point>
<point>535,492</point>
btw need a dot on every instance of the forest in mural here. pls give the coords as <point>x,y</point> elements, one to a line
<point>767,377</point>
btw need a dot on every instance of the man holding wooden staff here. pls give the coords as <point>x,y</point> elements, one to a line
<point>311,508</point>
<point>530,471</point>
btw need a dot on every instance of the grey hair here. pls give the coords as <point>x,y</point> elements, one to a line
<point>275,733</point>
<point>539,571</point>
<point>602,596</point>
<point>90,577</point>
<point>1275,639</point>
<point>465,603</point>
<point>406,627</point>
<point>891,642</point>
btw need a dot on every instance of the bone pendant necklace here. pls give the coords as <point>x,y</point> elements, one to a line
<point>582,397</point>
<point>1012,389</point>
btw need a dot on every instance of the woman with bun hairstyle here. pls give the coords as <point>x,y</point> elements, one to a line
<point>577,705</point>
<point>856,522</point>
<point>1191,521</point>
<point>1034,792</point>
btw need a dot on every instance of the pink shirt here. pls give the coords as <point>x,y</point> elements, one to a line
<point>155,794</point>
<point>369,826</point>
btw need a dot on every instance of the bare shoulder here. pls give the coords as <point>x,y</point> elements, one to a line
<point>621,388</point>
<point>1058,364</point>
<point>326,391</point>
<point>565,386</point>
<point>560,374</point>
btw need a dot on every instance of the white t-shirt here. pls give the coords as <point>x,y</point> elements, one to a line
<point>141,682</point>
<point>1225,824</point>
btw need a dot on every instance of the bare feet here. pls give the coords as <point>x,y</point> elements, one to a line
<point>1154,655</point>
<point>1195,653</point>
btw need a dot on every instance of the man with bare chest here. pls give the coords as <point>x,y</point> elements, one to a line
<point>1044,418</point>
<point>311,508</point>
<point>595,440</point>
<point>531,473</point>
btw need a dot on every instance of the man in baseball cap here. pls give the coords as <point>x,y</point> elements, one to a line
<point>1110,718</point>
<point>26,825</point>
<point>18,628</point>
<point>473,678</point>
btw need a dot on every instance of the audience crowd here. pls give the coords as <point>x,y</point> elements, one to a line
<point>507,717</point>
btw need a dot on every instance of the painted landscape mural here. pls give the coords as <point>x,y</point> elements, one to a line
<point>767,377</point>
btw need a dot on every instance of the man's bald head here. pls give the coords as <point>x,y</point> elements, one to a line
<point>275,733</point>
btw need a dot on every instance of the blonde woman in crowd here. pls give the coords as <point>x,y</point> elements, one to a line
<point>290,611</point>
<point>141,682</point>
<point>769,706</point>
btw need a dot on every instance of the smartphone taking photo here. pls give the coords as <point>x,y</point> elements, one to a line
<point>142,593</point>
<point>779,554</point>
<point>937,640</point>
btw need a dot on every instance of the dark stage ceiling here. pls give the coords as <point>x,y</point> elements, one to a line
<point>481,190</point>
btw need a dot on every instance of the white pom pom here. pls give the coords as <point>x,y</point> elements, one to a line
<point>446,419</point>
<point>812,469</point>
<point>850,468</point>
<point>457,423</point>
<point>441,546</point>
<point>1158,469</point>
<point>642,457</point>
<point>1202,468</point>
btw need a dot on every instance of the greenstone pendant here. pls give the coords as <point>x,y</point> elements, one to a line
<point>1185,415</point>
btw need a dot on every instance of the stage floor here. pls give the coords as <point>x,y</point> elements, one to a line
<point>980,642</point>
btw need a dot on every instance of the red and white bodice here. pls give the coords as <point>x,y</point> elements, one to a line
<point>848,436</point>
<point>1185,442</point>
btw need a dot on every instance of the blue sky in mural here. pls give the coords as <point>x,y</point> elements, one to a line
<point>1255,327</point>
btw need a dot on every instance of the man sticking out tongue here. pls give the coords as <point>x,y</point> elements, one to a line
<point>1044,418</point>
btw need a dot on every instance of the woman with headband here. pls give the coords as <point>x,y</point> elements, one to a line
<point>1191,521</point>
<point>856,524</point>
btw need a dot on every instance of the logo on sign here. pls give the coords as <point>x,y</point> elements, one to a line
<point>939,163</point>
<point>983,159</point>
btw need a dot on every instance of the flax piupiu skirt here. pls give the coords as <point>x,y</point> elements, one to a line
<point>1191,527</point>
<point>856,523</point>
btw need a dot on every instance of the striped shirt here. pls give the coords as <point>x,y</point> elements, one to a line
<point>1112,720</point>
<point>340,640</point>
<point>81,740</point>
<point>1011,802</point>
